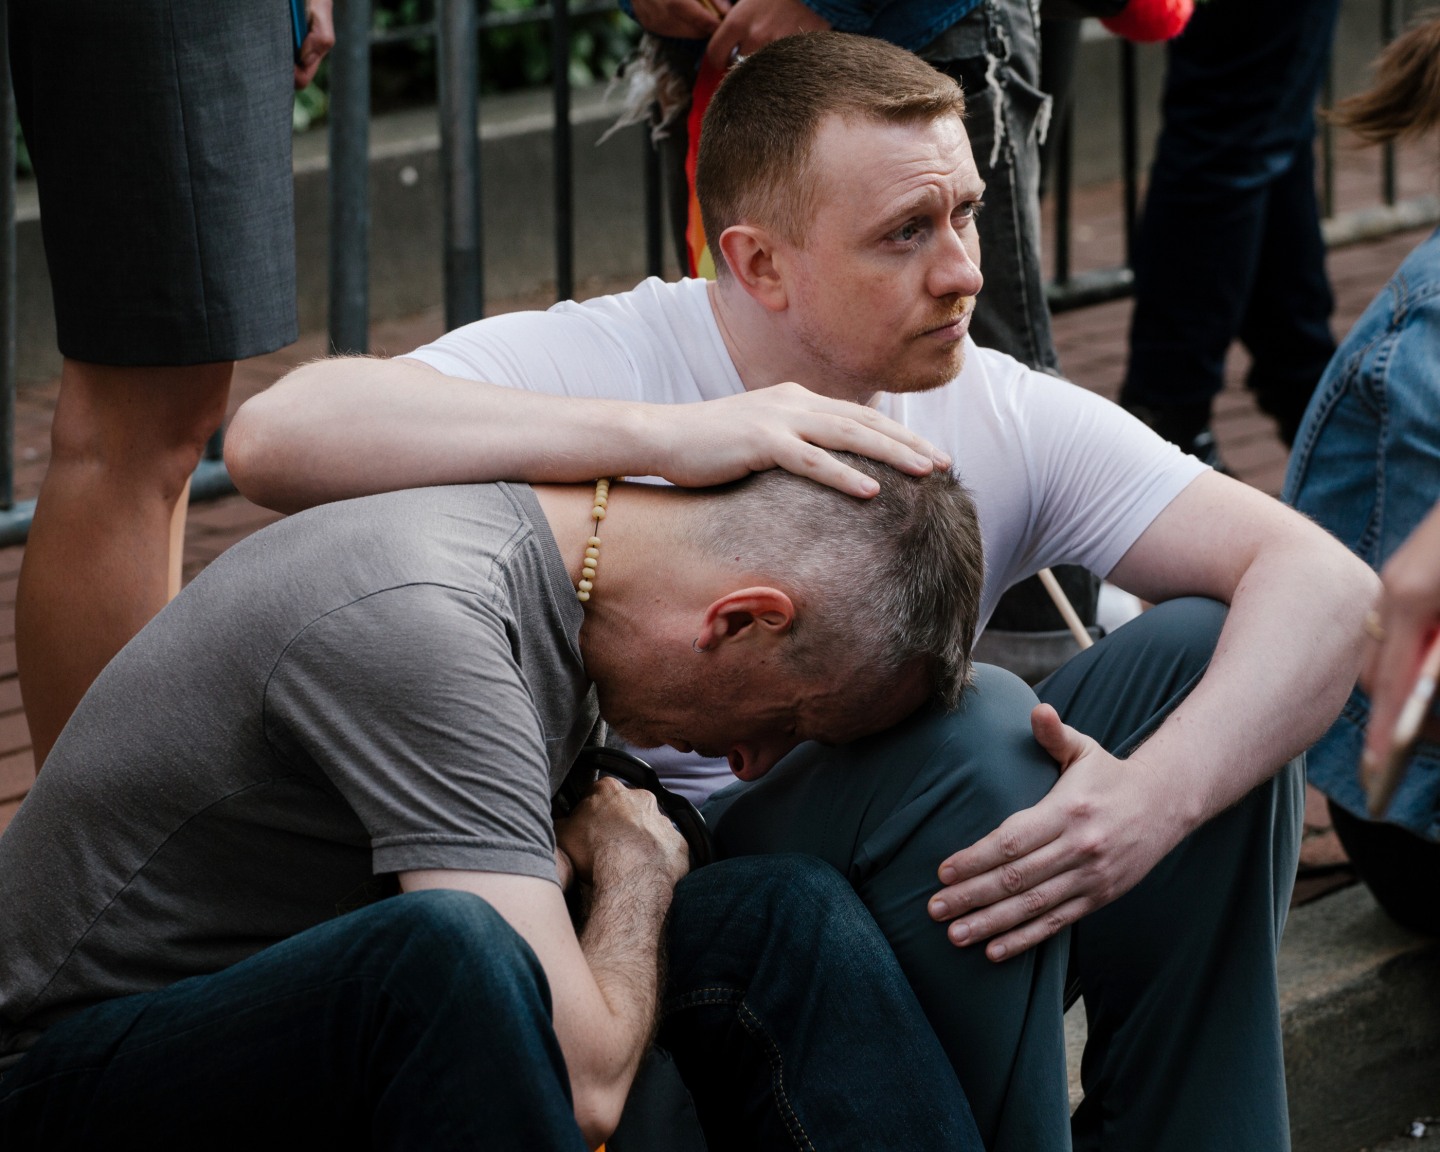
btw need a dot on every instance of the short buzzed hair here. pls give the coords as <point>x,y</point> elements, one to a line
<point>880,585</point>
<point>760,128</point>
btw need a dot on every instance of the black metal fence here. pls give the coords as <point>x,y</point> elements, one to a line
<point>455,30</point>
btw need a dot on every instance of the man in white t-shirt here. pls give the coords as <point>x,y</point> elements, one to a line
<point>1156,868</point>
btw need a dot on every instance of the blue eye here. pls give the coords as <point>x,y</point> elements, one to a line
<point>907,232</point>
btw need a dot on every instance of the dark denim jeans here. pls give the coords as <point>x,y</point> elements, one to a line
<point>423,1021</point>
<point>1229,245</point>
<point>791,1022</point>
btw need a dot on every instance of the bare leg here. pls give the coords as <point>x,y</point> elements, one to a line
<point>104,550</point>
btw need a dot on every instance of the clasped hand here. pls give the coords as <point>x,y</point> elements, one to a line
<point>617,833</point>
<point>1091,839</point>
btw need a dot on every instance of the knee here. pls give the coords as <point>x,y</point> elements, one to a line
<point>783,904</point>
<point>985,753</point>
<point>123,422</point>
<point>771,889</point>
<point>446,947</point>
<point>1183,632</point>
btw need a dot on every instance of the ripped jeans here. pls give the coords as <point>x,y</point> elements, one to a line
<point>994,52</point>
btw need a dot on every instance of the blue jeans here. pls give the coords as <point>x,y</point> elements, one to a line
<point>1366,466</point>
<point>1178,975</point>
<point>791,1021</point>
<point>423,1021</point>
<point>1229,244</point>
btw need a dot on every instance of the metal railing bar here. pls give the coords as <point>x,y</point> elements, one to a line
<point>8,283</point>
<point>1088,288</point>
<point>458,62</point>
<point>383,37</point>
<point>564,181</point>
<point>654,225</point>
<point>1389,29</point>
<point>1130,143</point>
<point>1327,143</point>
<point>1064,208</point>
<point>350,179</point>
<point>209,481</point>
<point>540,15</point>
<point>1357,227</point>
<point>428,29</point>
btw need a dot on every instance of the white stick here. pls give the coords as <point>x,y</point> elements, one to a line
<point>1067,610</point>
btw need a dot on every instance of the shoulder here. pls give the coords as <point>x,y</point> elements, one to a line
<point>656,342</point>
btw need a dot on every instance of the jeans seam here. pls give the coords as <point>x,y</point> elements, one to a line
<point>709,997</point>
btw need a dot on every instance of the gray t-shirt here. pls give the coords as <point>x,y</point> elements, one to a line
<point>369,687</point>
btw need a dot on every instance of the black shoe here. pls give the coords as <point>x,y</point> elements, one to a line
<point>1187,426</point>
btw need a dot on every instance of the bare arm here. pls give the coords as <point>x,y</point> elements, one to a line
<point>605,985</point>
<point>1286,659</point>
<point>353,426</point>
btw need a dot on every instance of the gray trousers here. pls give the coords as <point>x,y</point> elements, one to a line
<point>1178,975</point>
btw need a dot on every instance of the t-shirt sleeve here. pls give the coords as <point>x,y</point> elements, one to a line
<point>411,703</point>
<point>560,352</point>
<point>1098,476</point>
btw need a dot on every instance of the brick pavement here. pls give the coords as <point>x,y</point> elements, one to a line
<point>1092,345</point>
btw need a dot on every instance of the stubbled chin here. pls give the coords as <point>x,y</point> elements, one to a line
<point>935,378</point>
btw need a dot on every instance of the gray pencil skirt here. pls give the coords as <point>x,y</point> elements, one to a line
<point>160,133</point>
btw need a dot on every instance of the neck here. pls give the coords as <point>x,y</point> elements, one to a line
<point>644,567</point>
<point>763,351</point>
<point>649,592</point>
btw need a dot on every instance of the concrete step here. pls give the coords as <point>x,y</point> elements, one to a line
<point>1360,1005</point>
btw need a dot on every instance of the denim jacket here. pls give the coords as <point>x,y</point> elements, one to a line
<point>1366,466</point>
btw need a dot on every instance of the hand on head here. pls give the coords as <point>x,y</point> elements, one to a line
<point>787,426</point>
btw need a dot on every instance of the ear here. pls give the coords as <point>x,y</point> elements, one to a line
<point>749,614</point>
<point>751,252</point>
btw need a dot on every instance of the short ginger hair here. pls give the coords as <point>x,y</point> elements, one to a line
<point>759,130</point>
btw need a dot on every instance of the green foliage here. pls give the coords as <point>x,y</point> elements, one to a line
<point>512,57</point>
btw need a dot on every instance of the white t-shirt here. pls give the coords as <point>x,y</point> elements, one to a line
<point>1059,475</point>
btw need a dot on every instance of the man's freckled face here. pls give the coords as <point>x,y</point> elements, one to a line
<point>881,293</point>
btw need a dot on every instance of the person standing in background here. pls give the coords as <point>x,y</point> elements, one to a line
<point>1229,245</point>
<point>160,136</point>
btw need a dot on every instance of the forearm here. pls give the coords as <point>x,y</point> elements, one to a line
<point>355,426</point>
<point>1287,658</point>
<point>623,944</point>
<point>344,427</point>
<point>603,1007</point>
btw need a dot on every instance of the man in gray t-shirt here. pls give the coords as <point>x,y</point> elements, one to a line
<point>381,696</point>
